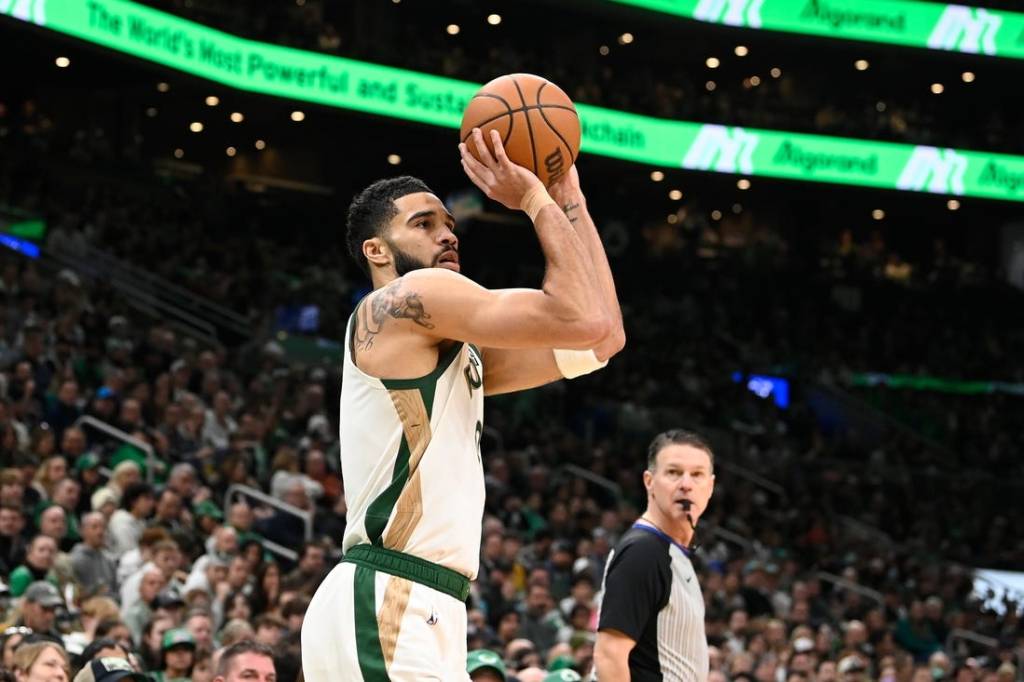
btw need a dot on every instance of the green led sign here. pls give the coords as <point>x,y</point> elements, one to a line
<point>930,25</point>
<point>332,81</point>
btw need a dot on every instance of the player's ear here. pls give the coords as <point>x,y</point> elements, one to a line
<point>648,479</point>
<point>376,251</point>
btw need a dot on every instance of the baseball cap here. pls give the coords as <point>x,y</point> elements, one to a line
<point>485,658</point>
<point>87,461</point>
<point>178,637</point>
<point>208,508</point>
<point>43,593</point>
<point>563,676</point>
<point>110,669</point>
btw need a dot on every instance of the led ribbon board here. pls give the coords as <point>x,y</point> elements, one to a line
<point>930,25</point>
<point>332,81</point>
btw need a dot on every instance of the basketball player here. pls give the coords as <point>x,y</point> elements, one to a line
<point>651,621</point>
<point>421,352</point>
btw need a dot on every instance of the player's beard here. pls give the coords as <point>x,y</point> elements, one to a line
<point>405,263</point>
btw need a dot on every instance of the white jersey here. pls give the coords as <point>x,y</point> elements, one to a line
<point>410,458</point>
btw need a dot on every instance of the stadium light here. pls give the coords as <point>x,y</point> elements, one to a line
<point>212,100</point>
<point>741,51</point>
<point>493,19</point>
<point>230,151</point>
<point>261,145</point>
<point>937,88</point>
<point>967,76</point>
<point>878,214</point>
<point>603,50</point>
<point>625,39</point>
<point>861,65</point>
<point>62,62</point>
<point>163,87</point>
<point>743,183</point>
<point>453,29</point>
<point>657,176</point>
<point>298,116</point>
<point>675,195</point>
<point>237,117</point>
<point>394,159</point>
<point>716,215</point>
<point>196,127</point>
<point>776,72</point>
<point>712,62</point>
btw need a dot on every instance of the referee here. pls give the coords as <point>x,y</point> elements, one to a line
<point>651,625</point>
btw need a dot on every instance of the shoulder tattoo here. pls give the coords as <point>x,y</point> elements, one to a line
<point>391,302</point>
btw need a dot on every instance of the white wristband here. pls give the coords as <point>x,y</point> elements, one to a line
<point>576,363</point>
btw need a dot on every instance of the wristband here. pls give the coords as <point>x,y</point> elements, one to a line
<point>576,363</point>
<point>534,200</point>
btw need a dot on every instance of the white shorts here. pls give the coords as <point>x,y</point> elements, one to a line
<point>368,626</point>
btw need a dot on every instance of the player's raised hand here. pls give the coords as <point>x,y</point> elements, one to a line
<point>494,173</point>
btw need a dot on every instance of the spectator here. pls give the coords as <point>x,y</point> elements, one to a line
<point>41,662</point>
<point>246,660</point>
<point>39,561</point>
<point>39,610</point>
<point>128,522</point>
<point>94,570</point>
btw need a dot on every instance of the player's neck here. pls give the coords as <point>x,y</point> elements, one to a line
<point>680,531</point>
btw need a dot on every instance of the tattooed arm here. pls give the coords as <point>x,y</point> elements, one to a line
<point>570,197</point>
<point>390,302</point>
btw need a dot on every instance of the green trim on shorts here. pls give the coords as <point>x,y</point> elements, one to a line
<point>368,649</point>
<point>434,576</point>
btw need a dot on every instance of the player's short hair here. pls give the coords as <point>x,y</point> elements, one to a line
<point>372,209</point>
<point>677,437</point>
<point>246,646</point>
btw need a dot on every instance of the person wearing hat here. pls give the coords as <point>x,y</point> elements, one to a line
<point>110,669</point>
<point>39,609</point>
<point>484,665</point>
<point>208,517</point>
<point>87,470</point>
<point>179,654</point>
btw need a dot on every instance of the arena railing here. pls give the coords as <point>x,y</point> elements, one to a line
<point>838,581</point>
<point>152,462</point>
<point>305,516</point>
<point>162,293</point>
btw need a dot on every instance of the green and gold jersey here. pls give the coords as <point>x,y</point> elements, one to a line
<point>410,458</point>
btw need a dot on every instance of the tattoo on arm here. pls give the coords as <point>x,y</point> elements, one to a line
<point>569,208</point>
<point>389,302</point>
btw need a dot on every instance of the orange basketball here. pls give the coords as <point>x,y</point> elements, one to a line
<point>537,121</point>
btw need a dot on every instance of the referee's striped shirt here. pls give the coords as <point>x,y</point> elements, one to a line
<point>651,594</point>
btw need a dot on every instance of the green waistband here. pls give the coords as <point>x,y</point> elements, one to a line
<point>411,568</point>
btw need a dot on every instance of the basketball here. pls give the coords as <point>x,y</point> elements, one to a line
<point>537,121</point>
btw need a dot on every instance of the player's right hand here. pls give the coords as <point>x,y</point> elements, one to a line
<point>495,174</point>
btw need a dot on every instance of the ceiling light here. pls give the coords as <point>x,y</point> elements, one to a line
<point>737,208</point>
<point>716,215</point>
<point>776,72</point>
<point>672,218</point>
<point>298,116</point>
<point>453,29</point>
<point>62,62</point>
<point>675,195</point>
<point>493,19</point>
<point>151,112</point>
<point>861,65</point>
<point>953,205</point>
<point>712,62</point>
<point>657,176</point>
<point>260,144</point>
<point>163,87</point>
<point>743,183</point>
<point>236,117</point>
<point>967,76</point>
<point>603,50</point>
<point>710,86</point>
<point>878,214</point>
<point>230,151</point>
<point>212,101</point>
<point>755,80</point>
<point>741,51</point>
<point>625,39</point>
<point>394,159</point>
<point>195,127</point>
<point>937,88</point>
<point>179,152</point>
